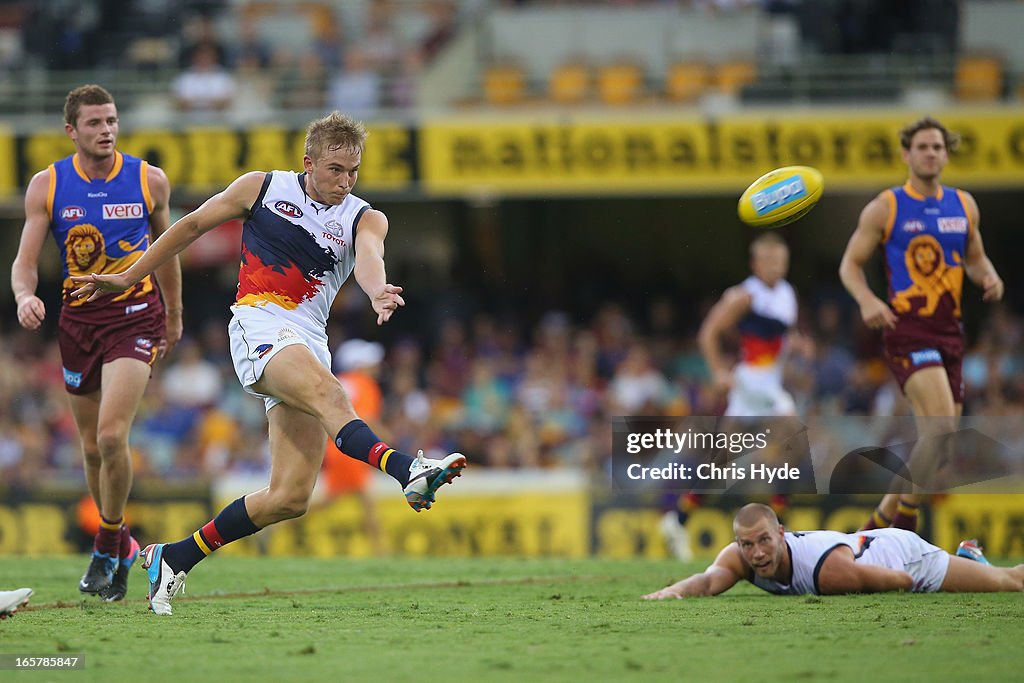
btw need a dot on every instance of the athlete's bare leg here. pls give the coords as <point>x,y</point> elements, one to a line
<point>124,382</point>
<point>295,376</point>
<point>86,409</point>
<point>936,415</point>
<point>968,576</point>
<point>297,444</point>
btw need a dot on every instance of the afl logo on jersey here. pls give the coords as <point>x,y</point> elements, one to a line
<point>913,226</point>
<point>288,209</point>
<point>72,213</point>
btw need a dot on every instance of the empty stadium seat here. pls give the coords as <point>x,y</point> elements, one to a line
<point>620,83</point>
<point>731,76</point>
<point>569,83</point>
<point>504,84</point>
<point>685,81</point>
<point>978,78</point>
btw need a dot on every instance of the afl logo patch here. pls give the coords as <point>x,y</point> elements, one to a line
<point>72,213</point>
<point>288,209</point>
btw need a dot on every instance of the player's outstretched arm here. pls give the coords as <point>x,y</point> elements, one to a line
<point>169,273</point>
<point>724,315</point>
<point>233,202</point>
<point>865,240</point>
<point>840,574</point>
<point>723,574</point>
<point>369,269</point>
<point>976,262</point>
<point>25,270</point>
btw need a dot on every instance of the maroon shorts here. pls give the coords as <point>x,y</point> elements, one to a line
<point>905,355</point>
<point>86,346</point>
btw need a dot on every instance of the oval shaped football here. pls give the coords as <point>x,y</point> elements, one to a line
<point>781,196</point>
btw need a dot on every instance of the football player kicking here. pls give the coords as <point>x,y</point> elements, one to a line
<point>304,234</point>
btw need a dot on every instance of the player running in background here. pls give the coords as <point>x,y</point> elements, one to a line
<point>101,207</point>
<point>304,234</point>
<point>930,237</point>
<point>830,563</point>
<point>763,308</point>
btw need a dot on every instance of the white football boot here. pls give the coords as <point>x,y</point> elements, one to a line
<point>426,476</point>
<point>164,584</point>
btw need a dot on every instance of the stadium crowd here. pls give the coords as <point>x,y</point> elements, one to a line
<point>512,395</point>
<point>242,62</point>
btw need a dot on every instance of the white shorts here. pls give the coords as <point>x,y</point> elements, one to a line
<point>758,392</point>
<point>257,335</point>
<point>929,572</point>
<point>902,549</point>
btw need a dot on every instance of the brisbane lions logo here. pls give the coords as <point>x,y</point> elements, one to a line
<point>931,277</point>
<point>86,250</point>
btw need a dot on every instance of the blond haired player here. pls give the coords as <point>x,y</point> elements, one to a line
<point>304,234</point>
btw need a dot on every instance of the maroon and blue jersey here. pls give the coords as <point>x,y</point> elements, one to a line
<point>925,243</point>
<point>101,226</point>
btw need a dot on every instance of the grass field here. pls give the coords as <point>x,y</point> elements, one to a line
<point>275,619</point>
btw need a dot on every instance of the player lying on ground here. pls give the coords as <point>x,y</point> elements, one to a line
<point>829,563</point>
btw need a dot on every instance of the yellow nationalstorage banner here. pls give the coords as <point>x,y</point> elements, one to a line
<point>612,155</point>
<point>630,152</point>
<point>492,513</point>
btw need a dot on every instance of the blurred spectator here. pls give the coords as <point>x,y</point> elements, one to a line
<point>205,86</point>
<point>253,100</point>
<point>382,48</point>
<point>163,434</point>
<point>191,380</point>
<point>64,34</point>
<point>486,399</point>
<point>357,89</point>
<point>834,362</point>
<point>443,25</point>
<point>540,404</point>
<point>200,34</point>
<point>328,42</point>
<point>637,387</point>
<point>250,48</point>
<point>305,86</point>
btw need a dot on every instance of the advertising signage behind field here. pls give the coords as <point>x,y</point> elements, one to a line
<point>635,155</point>
<point>206,159</point>
<point>630,153</point>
